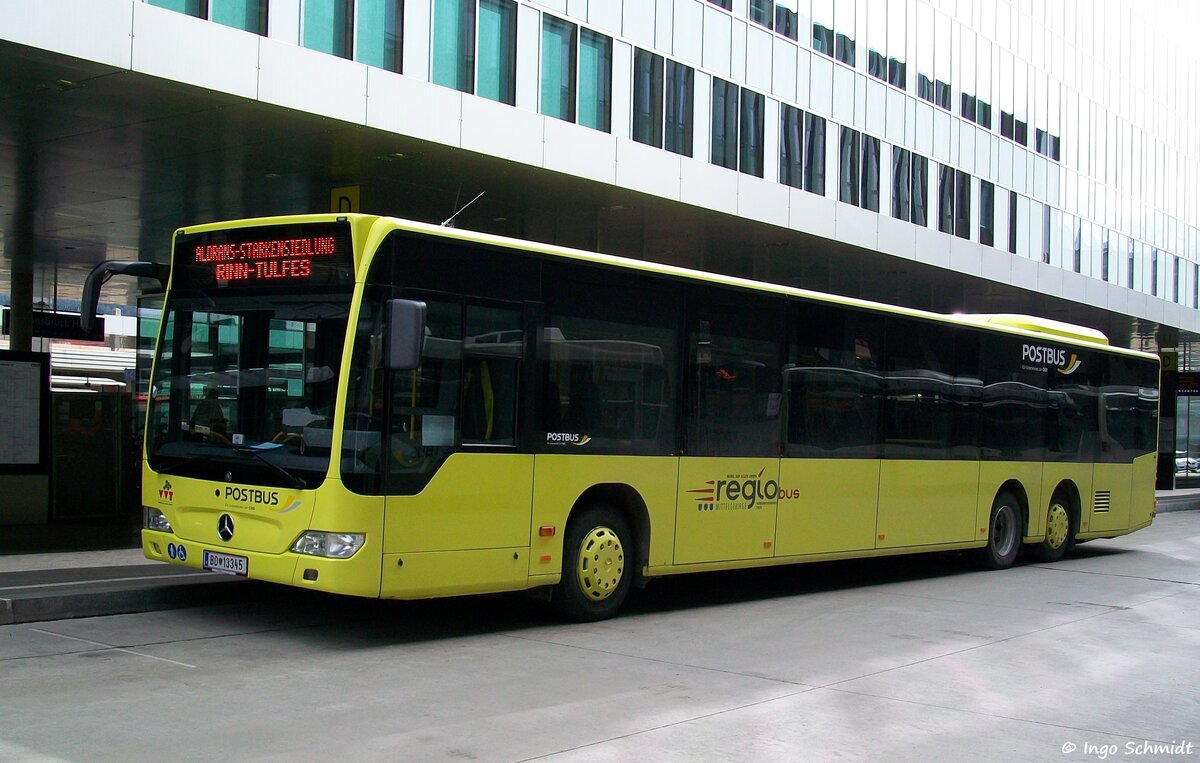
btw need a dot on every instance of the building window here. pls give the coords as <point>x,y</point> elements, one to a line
<point>737,127</point>
<point>987,213</point>
<point>1175,279</point>
<point>1046,234</point>
<point>920,190</point>
<point>197,8</point>
<point>762,12</point>
<point>910,183</point>
<point>848,166</point>
<point>946,199</point>
<point>814,154</point>
<point>925,88</point>
<point>1012,222</point>
<point>876,65</point>
<point>941,94</point>
<point>954,202</point>
<point>380,33</point>
<point>575,63</point>
<point>845,49</point>
<point>1154,271</point>
<point>897,73</point>
<point>662,94</point>
<point>1006,125</point>
<point>595,80</point>
<point>1021,133</point>
<point>247,15</point>
<point>962,204</point>
<point>1130,266</point>
<point>327,26</point>
<point>787,20</point>
<point>858,178</point>
<point>558,68</point>
<point>977,111</point>
<point>791,146</point>
<point>677,113</point>
<point>726,4</point>
<point>901,183</point>
<point>1077,250</point>
<point>1046,144</point>
<point>648,98</point>
<point>822,41</point>
<point>1104,257</point>
<point>474,47</point>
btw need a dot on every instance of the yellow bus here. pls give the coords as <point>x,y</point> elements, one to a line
<point>371,406</point>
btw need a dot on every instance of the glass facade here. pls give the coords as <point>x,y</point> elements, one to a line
<point>326,26</point>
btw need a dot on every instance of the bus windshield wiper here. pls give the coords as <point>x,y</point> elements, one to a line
<point>297,482</point>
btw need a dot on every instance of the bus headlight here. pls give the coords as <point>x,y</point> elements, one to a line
<point>332,545</point>
<point>153,519</point>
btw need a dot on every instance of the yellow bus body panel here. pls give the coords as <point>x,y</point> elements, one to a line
<point>927,502</point>
<point>561,480</point>
<point>827,506</point>
<point>715,518</point>
<point>475,501</point>
<point>1112,489</point>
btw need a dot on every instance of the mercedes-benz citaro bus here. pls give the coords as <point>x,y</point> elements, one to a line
<point>376,407</point>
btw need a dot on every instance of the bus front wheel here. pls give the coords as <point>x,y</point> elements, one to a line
<point>1004,533</point>
<point>597,565</point>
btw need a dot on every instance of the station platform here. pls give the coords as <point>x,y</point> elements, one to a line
<point>38,587</point>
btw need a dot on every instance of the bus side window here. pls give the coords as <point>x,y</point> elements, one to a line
<point>492,352</point>
<point>734,379</point>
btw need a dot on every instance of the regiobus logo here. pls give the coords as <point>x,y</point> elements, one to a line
<point>1051,356</point>
<point>741,492</point>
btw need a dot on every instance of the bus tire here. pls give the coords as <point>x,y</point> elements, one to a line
<point>597,565</point>
<point>1004,534</point>
<point>1060,532</point>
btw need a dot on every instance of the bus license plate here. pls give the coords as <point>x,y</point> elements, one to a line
<point>226,563</point>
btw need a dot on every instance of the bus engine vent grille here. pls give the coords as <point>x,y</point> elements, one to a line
<point>1103,501</point>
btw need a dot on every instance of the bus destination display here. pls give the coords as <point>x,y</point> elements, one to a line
<point>280,256</point>
<point>271,259</point>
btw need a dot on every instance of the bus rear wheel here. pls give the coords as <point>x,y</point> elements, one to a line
<point>1004,534</point>
<point>1060,535</point>
<point>597,566</point>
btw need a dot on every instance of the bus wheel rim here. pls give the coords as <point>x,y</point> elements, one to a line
<point>1056,526</point>
<point>601,564</point>
<point>1003,531</point>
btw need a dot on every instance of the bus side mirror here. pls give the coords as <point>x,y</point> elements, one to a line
<point>405,334</point>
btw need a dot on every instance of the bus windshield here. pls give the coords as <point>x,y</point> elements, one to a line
<point>244,388</point>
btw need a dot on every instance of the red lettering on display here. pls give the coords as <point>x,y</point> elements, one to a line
<point>275,259</point>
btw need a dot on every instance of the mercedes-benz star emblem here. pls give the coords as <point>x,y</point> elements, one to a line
<point>225,527</point>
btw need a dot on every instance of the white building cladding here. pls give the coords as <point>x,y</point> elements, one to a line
<point>1025,148</point>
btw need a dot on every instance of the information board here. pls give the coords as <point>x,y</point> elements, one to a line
<point>25,414</point>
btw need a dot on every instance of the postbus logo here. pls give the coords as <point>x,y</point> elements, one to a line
<point>741,492</point>
<point>253,498</point>
<point>567,438</point>
<point>166,492</point>
<point>1043,356</point>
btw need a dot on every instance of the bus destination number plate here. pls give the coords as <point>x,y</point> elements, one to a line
<point>226,563</point>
